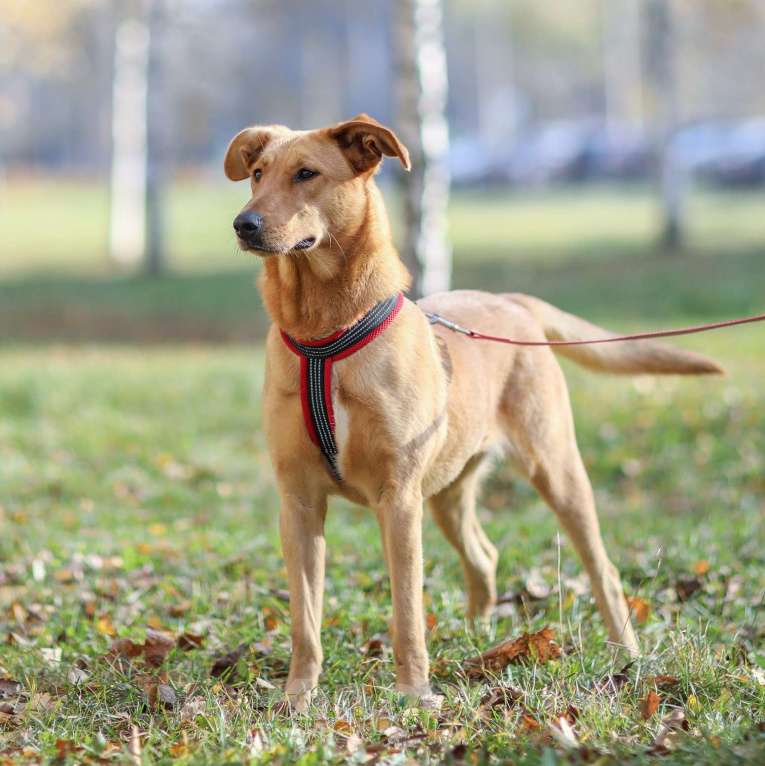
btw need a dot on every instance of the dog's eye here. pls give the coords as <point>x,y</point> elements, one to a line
<point>257,174</point>
<point>304,174</point>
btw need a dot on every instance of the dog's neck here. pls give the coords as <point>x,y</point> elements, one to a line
<point>311,295</point>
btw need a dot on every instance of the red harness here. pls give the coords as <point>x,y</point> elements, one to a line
<point>316,360</point>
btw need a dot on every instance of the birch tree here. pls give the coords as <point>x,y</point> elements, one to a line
<point>135,225</point>
<point>672,176</point>
<point>421,82</point>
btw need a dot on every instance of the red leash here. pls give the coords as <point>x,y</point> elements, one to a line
<point>438,319</point>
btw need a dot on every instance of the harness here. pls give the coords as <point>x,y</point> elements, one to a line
<point>316,360</point>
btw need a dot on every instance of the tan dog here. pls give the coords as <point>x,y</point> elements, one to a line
<point>421,410</point>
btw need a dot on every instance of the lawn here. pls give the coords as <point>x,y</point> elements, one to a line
<point>143,617</point>
<point>135,495</point>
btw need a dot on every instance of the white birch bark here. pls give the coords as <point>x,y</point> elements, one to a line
<point>422,95</point>
<point>127,229</point>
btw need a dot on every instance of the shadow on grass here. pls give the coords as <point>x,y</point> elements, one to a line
<point>647,288</point>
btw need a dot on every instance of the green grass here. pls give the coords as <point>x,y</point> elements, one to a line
<point>135,491</point>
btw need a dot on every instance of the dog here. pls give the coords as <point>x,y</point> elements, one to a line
<point>416,413</point>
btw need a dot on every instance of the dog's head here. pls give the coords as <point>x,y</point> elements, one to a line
<point>305,184</point>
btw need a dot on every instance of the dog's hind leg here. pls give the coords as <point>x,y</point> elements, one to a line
<point>454,510</point>
<point>538,419</point>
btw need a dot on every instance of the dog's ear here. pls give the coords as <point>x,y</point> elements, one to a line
<point>244,150</point>
<point>364,141</point>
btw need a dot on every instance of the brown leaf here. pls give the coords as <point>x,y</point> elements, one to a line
<point>613,682</point>
<point>187,641</point>
<point>500,697</point>
<point>529,723</point>
<point>640,608</point>
<point>431,621</point>
<point>649,705</point>
<point>227,662</point>
<point>666,683</point>
<point>685,587</point>
<point>373,648</point>
<point>157,646</point>
<point>179,609</point>
<point>537,647</point>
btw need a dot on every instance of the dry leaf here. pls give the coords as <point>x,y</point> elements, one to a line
<point>649,705</point>
<point>640,608</point>
<point>613,682</point>
<point>701,567</point>
<point>672,723</point>
<point>157,646</point>
<point>227,662</point>
<point>187,641</point>
<point>664,682</point>
<point>537,647</point>
<point>373,648</point>
<point>685,587</point>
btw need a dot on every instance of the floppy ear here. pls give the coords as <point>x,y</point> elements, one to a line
<point>244,150</point>
<point>364,141</point>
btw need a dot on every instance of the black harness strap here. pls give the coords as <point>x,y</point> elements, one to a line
<point>316,360</point>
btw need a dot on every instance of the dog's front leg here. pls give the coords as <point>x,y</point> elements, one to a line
<point>301,524</point>
<point>400,517</point>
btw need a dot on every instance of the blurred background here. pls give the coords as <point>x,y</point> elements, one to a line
<point>606,154</point>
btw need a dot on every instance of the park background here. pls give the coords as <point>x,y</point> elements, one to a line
<point>605,155</point>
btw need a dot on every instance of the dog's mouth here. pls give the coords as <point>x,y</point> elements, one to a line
<point>304,244</point>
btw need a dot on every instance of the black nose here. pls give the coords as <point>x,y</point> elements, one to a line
<point>248,224</point>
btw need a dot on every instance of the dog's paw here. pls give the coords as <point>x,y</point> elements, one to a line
<point>298,695</point>
<point>421,696</point>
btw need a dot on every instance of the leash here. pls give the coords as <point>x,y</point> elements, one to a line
<point>475,335</point>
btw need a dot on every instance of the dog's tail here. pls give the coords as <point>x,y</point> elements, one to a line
<point>628,357</point>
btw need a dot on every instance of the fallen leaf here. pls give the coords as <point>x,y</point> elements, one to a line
<point>537,647</point>
<point>529,723</point>
<point>166,696</point>
<point>649,705</point>
<point>157,646</point>
<point>613,682</point>
<point>701,567</point>
<point>51,655</point>
<point>665,682</point>
<point>500,697</point>
<point>104,626</point>
<point>373,648</point>
<point>9,688</point>
<point>227,662</point>
<point>188,641</point>
<point>640,608</point>
<point>431,621</point>
<point>685,587</point>
<point>77,676</point>
<point>675,721</point>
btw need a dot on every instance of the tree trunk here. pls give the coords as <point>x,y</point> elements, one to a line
<point>135,231</point>
<point>421,82</point>
<point>156,145</point>
<point>672,178</point>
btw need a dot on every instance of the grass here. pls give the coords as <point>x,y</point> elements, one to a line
<point>135,492</point>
